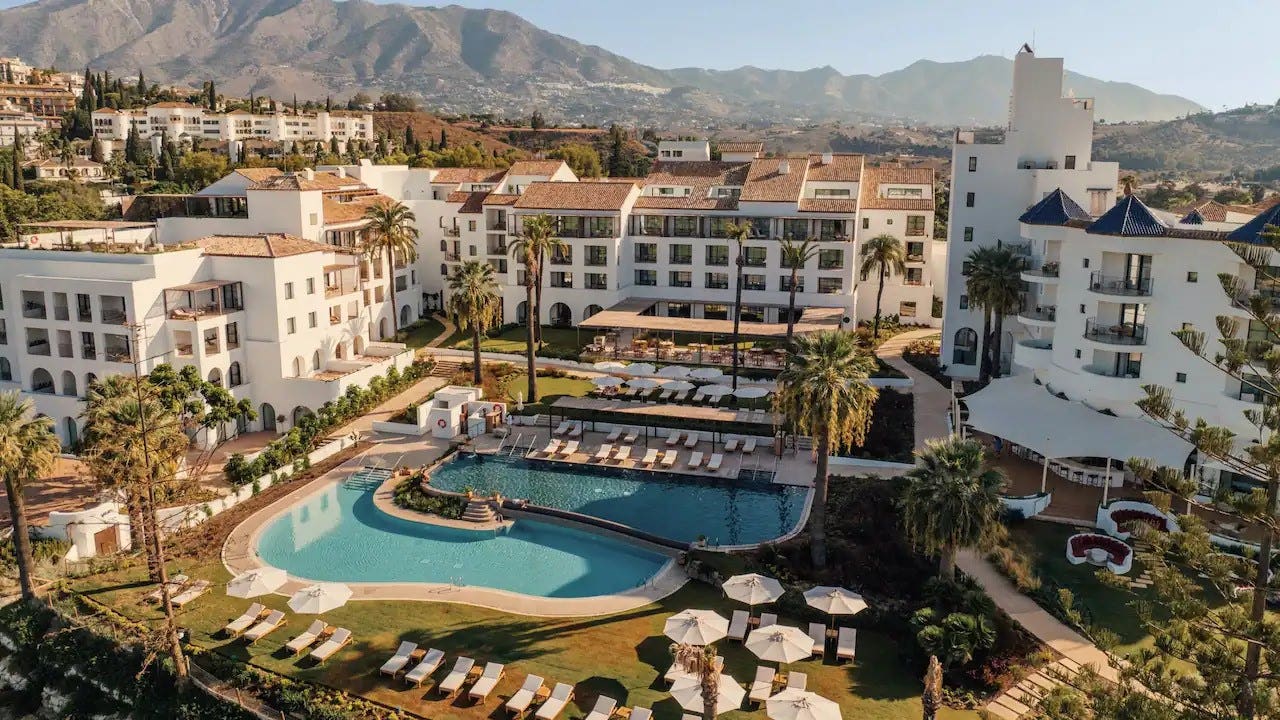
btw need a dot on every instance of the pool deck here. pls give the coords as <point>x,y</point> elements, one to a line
<point>239,552</point>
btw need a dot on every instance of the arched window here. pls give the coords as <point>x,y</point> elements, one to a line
<point>233,376</point>
<point>299,367</point>
<point>6,371</point>
<point>71,432</point>
<point>965,350</point>
<point>300,412</point>
<point>69,383</point>
<point>404,316</point>
<point>315,361</point>
<point>41,381</point>
<point>215,377</point>
<point>591,310</point>
<point>358,345</point>
<point>522,311</point>
<point>561,315</point>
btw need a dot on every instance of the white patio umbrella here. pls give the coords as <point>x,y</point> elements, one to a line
<point>674,371</point>
<point>609,365</point>
<point>780,643</point>
<point>752,589</point>
<point>606,381</point>
<point>259,581</point>
<point>641,369</point>
<point>797,704</point>
<point>707,373</point>
<point>696,627</point>
<point>687,690</point>
<point>643,383</point>
<point>320,598</point>
<point>715,391</point>
<point>751,392</point>
<point>835,600</point>
<point>678,385</point>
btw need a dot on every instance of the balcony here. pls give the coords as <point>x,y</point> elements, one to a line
<point>498,226</point>
<point>1041,316</point>
<point>448,257</point>
<point>193,301</point>
<point>1034,353</point>
<point>497,248</point>
<point>452,232</point>
<point>1132,372</point>
<point>1046,274</point>
<point>1118,285</point>
<point>911,257</point>
<point>1115,333</point>
<point>646,257</point>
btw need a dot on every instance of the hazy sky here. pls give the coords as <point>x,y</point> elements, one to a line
<point>1213,53</point>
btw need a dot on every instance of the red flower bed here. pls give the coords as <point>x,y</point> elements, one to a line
<point>1124,517</point>
<point>1117,550</point>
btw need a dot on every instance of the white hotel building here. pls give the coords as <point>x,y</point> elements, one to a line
<point>181,121</point>
<point>1108,282</point>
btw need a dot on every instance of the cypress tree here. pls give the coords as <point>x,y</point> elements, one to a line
<point>295,103</point>
<point>16,168</point>
<point>328,104</point>
<point>444,140</point>
<point>95,150</point>
<point>333,145</point>
<point>213,96</point>
<point>142,85</point>
<point>6,172</point>
<point>409,143</point>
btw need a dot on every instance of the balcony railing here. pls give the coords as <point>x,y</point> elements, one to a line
<point>1117,285</point>
<point>452,232</point>
<point>1131,372</point>
<point>1115,333</point>
<point>753,286</point>
<point>1044,313</point>
<point>38,347</point>
<point>497,248</point>
<point>34,310</point>
<point>646,257</point>
<point>113,317</point>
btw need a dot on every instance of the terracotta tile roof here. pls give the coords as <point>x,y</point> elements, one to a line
<point>1210,210</point>
<point>538,168</point>
<point>740,146</point>
<point>259,174</point>
<point>352,211</point>
<point>472,202</point>
<point>766,182</point>
<point>828,205</point>
<point>700,177</point>
<point>872,177</point>
<point>266,245</point>
<point>324,181</point>
<point>186,105</point>
<point>575,196</point>
<point>844,167</point>
<point>457,176</point>
<point>500,199</point>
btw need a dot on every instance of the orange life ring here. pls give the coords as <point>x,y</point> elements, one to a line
<point>441,423</point>
<point>497,408</point>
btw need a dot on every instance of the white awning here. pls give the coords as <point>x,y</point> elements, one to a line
<point>1022,412</point>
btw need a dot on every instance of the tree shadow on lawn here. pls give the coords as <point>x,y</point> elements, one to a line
<point>878,672</point>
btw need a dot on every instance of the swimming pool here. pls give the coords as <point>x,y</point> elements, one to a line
<point>725,512</point>
<point>339,535</point>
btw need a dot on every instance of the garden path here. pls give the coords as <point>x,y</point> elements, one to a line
<point>445,334</point>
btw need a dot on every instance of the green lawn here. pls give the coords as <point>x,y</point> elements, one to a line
<point>548,387</point>
<point>420,333</point>
<point>513,340</point>
<point>621,656</point>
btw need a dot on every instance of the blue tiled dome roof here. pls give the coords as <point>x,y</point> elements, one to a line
<point>1130,217</point>
<point>1251,232</point>
<point>1056,208</point>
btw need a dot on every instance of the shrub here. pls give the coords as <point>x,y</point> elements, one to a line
<point>410,496</point>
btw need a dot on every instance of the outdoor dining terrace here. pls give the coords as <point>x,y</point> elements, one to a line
<point>206,298</point>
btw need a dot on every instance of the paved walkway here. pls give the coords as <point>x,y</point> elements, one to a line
<point>449,330</point>
<point>932,401</point>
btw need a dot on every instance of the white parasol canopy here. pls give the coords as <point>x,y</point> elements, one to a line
<point>259,581</point>
<point>716,391</point>
<point>751,392</point>
<point>707,373</point>
<point>641,369</point>
<point>320,598</point>
<point>797,704</point>
<point>609,365</point>
<point>835,600</point>
<point>696,627</point>
<point>674,371</point>
<point>687,690</point>
<point>780,643</point>
<point>678,385</point>
<point>606,381</point>
<point>643,383</point>
<point>752,588</point>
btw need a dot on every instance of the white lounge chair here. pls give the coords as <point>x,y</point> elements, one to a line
<point>650,457</point>
<point>576,430</point>
<point>668,395</point>
<point>493,672</point>
<point>631,436</point>
<point>569,448</point>
<point>523,698</point>
<point>762,686</point>
<point>623,454</point>
<point>692,441</point>
<point>749,445</point>
<point>330,647</point>
<point>551,448</point>
<point>318,629</point>
<point>695,459</point>
<point>669,458</point>
<point>191,593</point>
<point>176,584</point>
<point>562,428</point>
<point>699,397</point>
<point>681,397</point>
<point>713,465</point>
<point>245,621</point>
<point>797,680</point>
<point>604,452</point>
<point>640,713</point>
<point>264,627</point>
<point>731,445</point>
<point>767,619</point>
<point>604,708</point>
<point>846,644</point>
<point>453,682</point>
<point>738,625</point>
<point>674,438</point>
<point>424,669</point>
<point>818,634</point>
<point>561,694</point>
<point>614,434</point>
<point>397,662</point>
<point>687,716</point>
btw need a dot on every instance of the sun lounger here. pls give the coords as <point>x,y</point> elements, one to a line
<point>767,619</point>
<point>692,441</point>
<point>623,454</point>
<point>603,710</point>
<point>562,428</point>
<point>423,670</point>
<point>330,647</point>
<point>245,621</point>
<point>738,625</point>
<point>650,457</point>
<point>687,716</point>
<point>604,452</point>
<point>631,436</point>
<point>561,694</point>
<point>681,397</point>
<point>265,627</point>
<point>698,397</point>
<point>575,431</point>
<point>713,465</point>
<point>640,713</point>
<point>493,672</point>
<point>695,459</point>
<point>749,445</point>
<point>674,438</point>
<point>846,644</point>
<point>176,585</point>
<point>762,686</point>
<point>797,680</point>
<point>614,434</point>
<point>452,682</point>
<point>191,593</point>
<point>731,445</point>
<point>551,448</point>
<point>397,662</point>
<point>569,448</point>
<point>818,634</point>
<point>309,636</point>
<point>669,458</point>
<point>667,395</point>
<point>525,695</point>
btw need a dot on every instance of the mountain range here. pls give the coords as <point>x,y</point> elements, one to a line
<point>469,60</point>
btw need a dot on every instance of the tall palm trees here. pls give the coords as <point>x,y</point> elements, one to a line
<point>739,232</point>
<point>995,285</point>
<point>826,393</point>
<point>952,500</point>
<point>885,256</point>
<point>474,300</point>
<point>28,449</point>
<point>700,662</point>
<point>537,238</point>
<point>796,253</point>
<point>393,232</point>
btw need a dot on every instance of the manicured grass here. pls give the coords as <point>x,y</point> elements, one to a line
<point>421,333</point>
<point>621,656</point>
<point>514,340</point>
<point>548,387</point>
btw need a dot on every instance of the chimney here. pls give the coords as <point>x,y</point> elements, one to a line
<point>828,158</point>
<point>341,171</point>
<point>309,174</point>
<point>784,167</point>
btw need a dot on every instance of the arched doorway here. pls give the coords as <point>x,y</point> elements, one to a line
<point>358,344</point>
<point>6,370</point>
<point>404,316</point>
<point>340,351</point>
<point>70,432</point>
<point>234,377</point>
<point>591,310</point>
<point>299,367</point>
<point>965,350</point>
<point>300,412</point>
<point>315,361</point>
<point>382,329</point>
<point>561,315</point>
<point>242,423</point>
<point>268,415</point>
<point>69,383</point>
<point>522,311</point>
<point>41,381</point>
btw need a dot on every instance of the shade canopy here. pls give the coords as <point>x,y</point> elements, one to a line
<point>678,385</point>
<point>259,581</point>
<point>751,392</point>
<point>606,381</point>
<point>696,627</point>
<point>674,371</point>
<point>320,598</point>
<point>797,704</point>
<point>1022,412</point>
<point>687,690</point>
<point>643,383</point>
<point>752,589</point>
<point>609,365</point>
<point>835,600</point>
<point>707,373</point>
<point>640,369</point>
<point>780,643</point>
<point>716,391</point>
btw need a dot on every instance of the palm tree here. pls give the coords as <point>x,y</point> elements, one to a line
<point>952,500</point>
<point>995,285</point>
<point>700,661</point>
<point>739,232</point>
<point>393,233</point>
<point>826,393</point>
<point>885,256</point>
<point>796,253</point>
<point>28,450</point>
<point>536,237</point>
<point>975,285</point>
<point>475,301</point>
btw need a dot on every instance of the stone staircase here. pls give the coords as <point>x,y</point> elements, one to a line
<point>446,367</point>
<point>1021,700</point>
<point>479,511</point>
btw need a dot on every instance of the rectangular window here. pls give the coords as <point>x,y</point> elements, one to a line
<point>717,281</point>
<point>1069,163</point>
<point>288,291</point>
<point>915,252</point>
<point>600,227</point>
<point>471,225</point>
<point>646,277</point>
<point>569,226</point>
<point>562,255</point>
<point>681,254</point>
<point>964,302</point>
<point>830,259</point>
<point>311,319</point>
<point>968,233</point>
<point>233,336</point>
<point>683,310</point>
<point>684,226</point>
<point>680,279</point>
<point>830,193</point>
<point>562,280</point>
<point>651,225</point>
<point>84,308</point>
<point>311,286</point>
<point>906,309</point>
<point>646,252</point>
<point>1193,276</point>
<point>752,313</point>
<point>754,256</point>
<point>714,311</point>
<point>290,326</point>
<point>1097,202</point>
<point>1180,377</point>
<point>968,199</point>
<point>88,346</point>
<point>915,225</point>
<point>830,285</point>
<point>597,281</point>
<point>596,255</point>
<point>717,255</point>
<point>915,276</point>
<point>866,223</point>
<point>784,283</point>
<point>792,228</point>
<point>973,163</point>
<point>753,282</point>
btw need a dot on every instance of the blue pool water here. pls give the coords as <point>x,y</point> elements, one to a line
<point>338,535</point>
<point>725,512</point>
